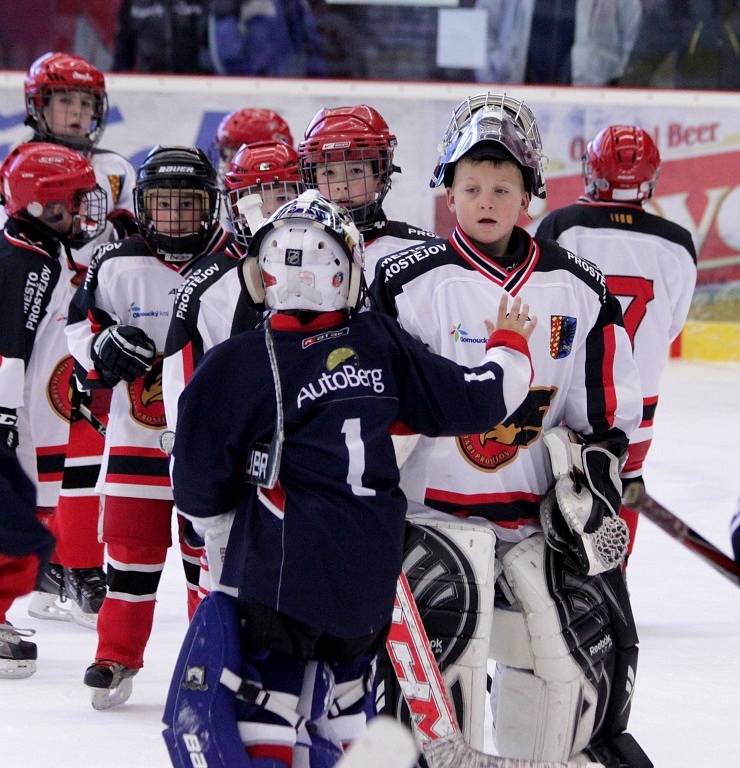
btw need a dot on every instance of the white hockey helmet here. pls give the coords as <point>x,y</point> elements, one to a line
<point>306,256</point>
<point>497,118</point>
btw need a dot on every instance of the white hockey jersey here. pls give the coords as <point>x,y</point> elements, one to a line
<point>210,307</point>
<point>584,375</point>
<point>127,284</point>
<point>385,237</point>
<point>38,281</point>
<point>650,266</point>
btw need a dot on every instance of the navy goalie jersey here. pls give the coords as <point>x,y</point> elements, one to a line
<point>325,545</point>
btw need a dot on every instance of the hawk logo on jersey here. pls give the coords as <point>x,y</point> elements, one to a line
<point>562,334</point>
<point>500,445</point>
<point>59,390</point>
<point>147,401</point>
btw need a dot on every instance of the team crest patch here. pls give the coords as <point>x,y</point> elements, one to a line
<point>499,446</point>
<point>147,401</point>
<point>562,333</point>
<point>115,181</point>
<point>60,387</point>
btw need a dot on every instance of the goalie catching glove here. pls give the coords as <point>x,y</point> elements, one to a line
<point>122,352</point>
<point>580,514</point>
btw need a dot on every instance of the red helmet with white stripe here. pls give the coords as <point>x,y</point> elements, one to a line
<point>621,163</point>
<point>267,168</point>
<point>352,137</point>
<point>40,181</point>
<point>247,126</point>
<point>58,76</point>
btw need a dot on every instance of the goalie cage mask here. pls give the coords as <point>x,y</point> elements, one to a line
<point>497,118</point>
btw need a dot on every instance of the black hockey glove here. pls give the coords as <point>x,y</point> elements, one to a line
<point>580,514</point>
<point>8,430</point>
<point>122,352</point>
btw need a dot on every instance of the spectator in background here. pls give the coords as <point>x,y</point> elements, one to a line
<point>265,38</point>
<point>687,44</point>
<point>583,42</point>
<point>162,36</point>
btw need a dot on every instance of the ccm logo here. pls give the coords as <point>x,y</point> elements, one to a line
<point>193,746</point>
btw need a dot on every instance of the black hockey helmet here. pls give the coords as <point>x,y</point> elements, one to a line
<point>177,201</point>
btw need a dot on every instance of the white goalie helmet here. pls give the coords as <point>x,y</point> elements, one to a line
<point>498,118</point>
<point>306,256</point>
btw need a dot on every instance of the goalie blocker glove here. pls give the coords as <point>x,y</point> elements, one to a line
<point>122,352</point>
<point>580,514</point>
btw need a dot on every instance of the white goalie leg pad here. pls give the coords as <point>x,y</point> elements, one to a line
<point>543,705</point>
<point>450,566</point>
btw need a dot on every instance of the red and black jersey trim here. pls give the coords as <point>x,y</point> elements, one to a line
<point>138,466</point>
<point>603,214</point>
<point>510,281</point>
<point>649,404</point>
<point>50,463</point>
<point>509,510</point>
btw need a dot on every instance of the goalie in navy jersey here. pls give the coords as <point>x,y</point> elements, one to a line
<point>562,632</point>
<point>649,264</point>
<point>306,469</point>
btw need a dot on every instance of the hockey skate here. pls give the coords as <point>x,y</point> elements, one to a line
<point>49,597</point>
<point>111,682</point>
<point>17,656</point>
<point>85,588</point>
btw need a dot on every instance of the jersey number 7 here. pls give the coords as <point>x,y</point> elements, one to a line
<point>640,292</point>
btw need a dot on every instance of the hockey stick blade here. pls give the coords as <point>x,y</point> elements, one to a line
<point>385,743</point>
<point>686,535</point>
<point>424,690</point>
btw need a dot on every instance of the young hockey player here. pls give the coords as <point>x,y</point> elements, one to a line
<point>247,126</point>
<point>649,264</point>
<point>117,328</point>
<point>563,638</point>
<point>316,549</point>
<point>347,154</point>
<point>212,305</point>
<point>53,203</point>
<point>66,104</point>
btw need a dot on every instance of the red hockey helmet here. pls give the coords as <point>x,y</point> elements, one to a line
<point>247,126</point>
<point>351,134</point>
<point>63,72</point>
<point>267,168</point>
<point>621,163</point>
<point>38,174</point>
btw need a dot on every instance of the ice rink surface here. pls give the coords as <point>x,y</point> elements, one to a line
<point>686,710</point>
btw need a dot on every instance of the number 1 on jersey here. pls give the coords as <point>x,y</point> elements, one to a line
<point>356,451</point>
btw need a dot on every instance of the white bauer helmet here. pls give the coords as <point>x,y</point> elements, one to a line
<point>307,256</point>
<point>498,118</point>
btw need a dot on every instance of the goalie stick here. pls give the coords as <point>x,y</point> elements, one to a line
<point>686,535</point>
<point>423,688</point>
